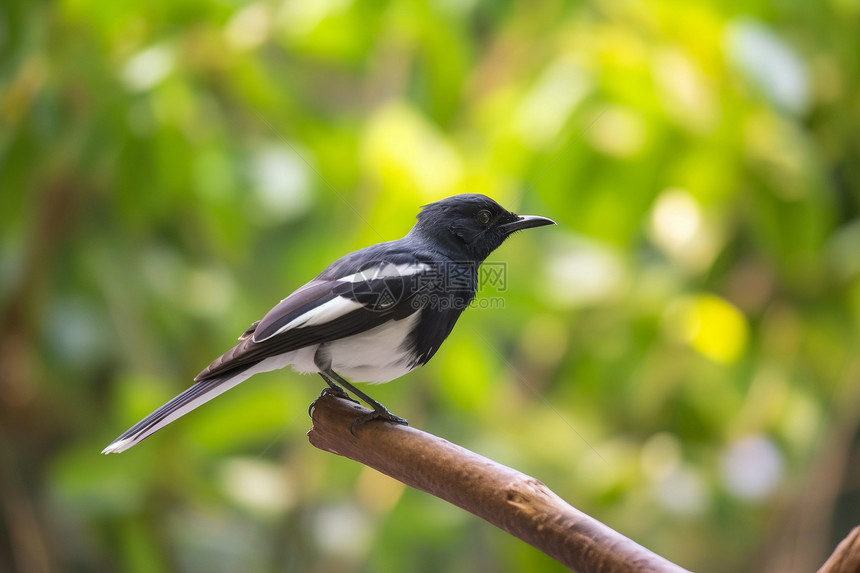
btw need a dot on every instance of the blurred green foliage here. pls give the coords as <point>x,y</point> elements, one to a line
<point>678,358</point>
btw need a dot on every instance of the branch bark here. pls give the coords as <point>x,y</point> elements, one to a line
<point>846,557</point>
<point>510,500</point>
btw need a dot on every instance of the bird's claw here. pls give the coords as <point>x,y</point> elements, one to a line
<point>377,414</point>
<point>339,392</point>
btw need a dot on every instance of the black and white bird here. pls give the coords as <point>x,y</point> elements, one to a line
<point>371,316</point>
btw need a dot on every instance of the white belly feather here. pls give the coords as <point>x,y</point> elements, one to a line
<point>374,356</point>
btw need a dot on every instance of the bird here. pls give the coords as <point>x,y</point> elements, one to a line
<point>370,316</point>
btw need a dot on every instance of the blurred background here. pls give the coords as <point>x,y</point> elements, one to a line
<point>678,358</point>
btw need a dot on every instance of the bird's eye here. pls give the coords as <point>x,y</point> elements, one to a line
<point>483,217</point>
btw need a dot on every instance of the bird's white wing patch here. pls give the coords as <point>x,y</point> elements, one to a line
<point>342,305</point>
<point>322,314</point>
<point>387,270</point>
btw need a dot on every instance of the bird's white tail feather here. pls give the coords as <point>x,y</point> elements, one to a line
<point>198,394</point>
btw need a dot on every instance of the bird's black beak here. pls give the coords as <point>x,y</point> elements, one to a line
<point>525,222</point>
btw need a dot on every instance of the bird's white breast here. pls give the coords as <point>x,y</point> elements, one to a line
<point>376,355</point>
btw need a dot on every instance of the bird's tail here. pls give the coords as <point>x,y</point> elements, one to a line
<point>198,394</point>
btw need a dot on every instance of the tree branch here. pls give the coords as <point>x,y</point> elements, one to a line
<point>510,500</point>
<point>846,557</point>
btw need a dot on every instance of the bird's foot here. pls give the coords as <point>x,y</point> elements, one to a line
<point>334,391</point>
<point>379,412</point>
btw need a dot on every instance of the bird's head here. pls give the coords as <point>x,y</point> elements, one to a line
<point>471,224</point>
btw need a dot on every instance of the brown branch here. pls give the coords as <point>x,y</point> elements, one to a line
<point>846,557</point>
<point>510,500</point>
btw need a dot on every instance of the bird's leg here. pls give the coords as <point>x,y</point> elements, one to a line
<point>379,411</point>
<point>332,388</point>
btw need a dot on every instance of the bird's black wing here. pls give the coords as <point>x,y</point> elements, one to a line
<point>324,310</point>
